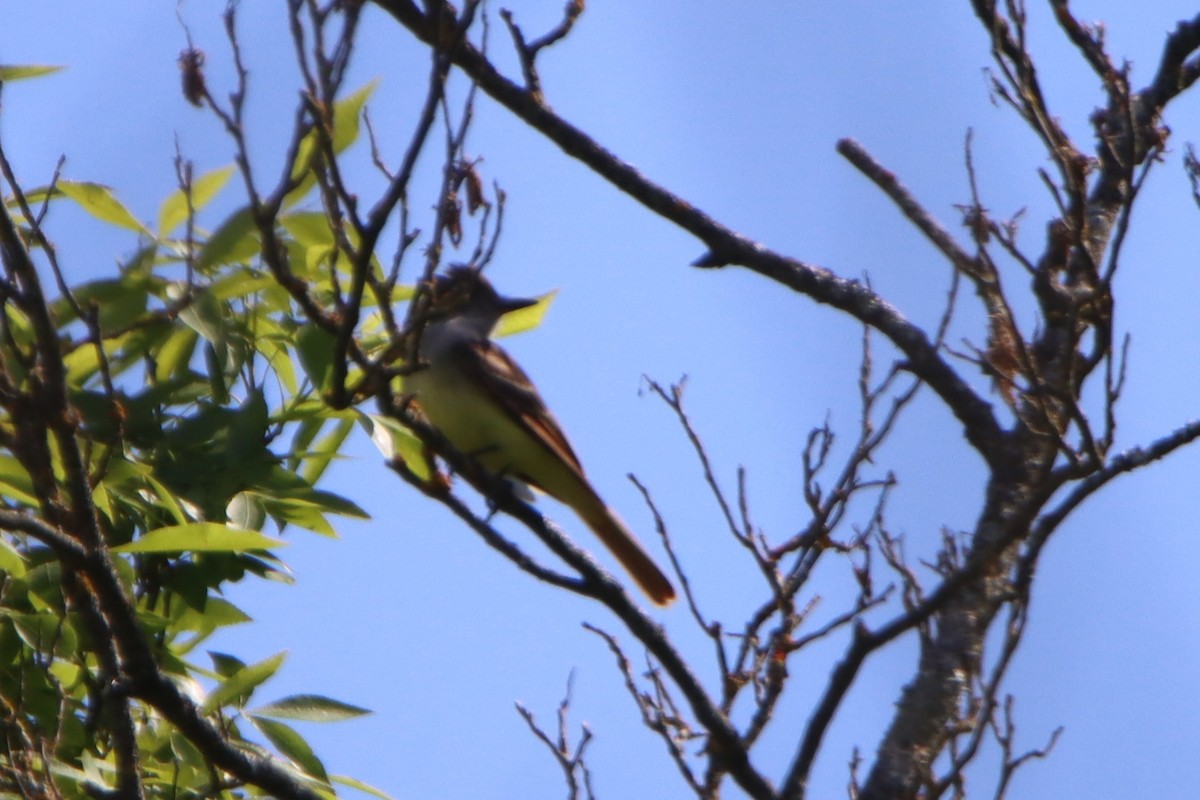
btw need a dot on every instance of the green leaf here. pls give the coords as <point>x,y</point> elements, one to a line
<point>245,511</point>
<point>188,766</point>
<point>175,355</point>
<point>81,363</point>
<point>285,486</point>
<point>99,201</point>
<point>237,688</point>
<point>292,745</point>
<point>215,367</point>
<point>310,708</point>
<point>304,513</point>
<point>217,613</point>
<point>200,537</point>
<point>275,348</point>
<point>11,562</point>
<point>305,434</point>
<point>120,301</point>
<point>175,208</point>
<point>206,316</point>
<point>524,319</point>
<point>319,457</point>
<point>396,441</point>
<point>166,500</point>
<point>234,242</point>
<point>45,585</point>
<point>240,283</point>
<point>354,783</point>
<point>15,483</point>
<point>315,347</point>
<point>41,631</point>
<point>127,477</point>
<point>309,228</point>
<point>226,665</point>
<point>13,72</point>
<point>347,116</point>
<point>63,771</point>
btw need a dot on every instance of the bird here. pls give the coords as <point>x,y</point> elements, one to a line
<point>473,393</point>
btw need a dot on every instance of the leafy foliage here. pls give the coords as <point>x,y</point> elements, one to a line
<point>153,426</point>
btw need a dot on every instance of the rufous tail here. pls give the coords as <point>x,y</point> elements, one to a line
<point>625,547</point>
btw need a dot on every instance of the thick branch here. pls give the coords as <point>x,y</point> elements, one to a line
<point>726,246</point>
<point>1179,67</point>
<point>1127,461</point>
<point>595,582</point>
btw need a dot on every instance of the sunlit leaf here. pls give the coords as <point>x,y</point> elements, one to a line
<point>206,316</point>
<point>292,744</point>
<point>174,209</point>
<point>200,537</point>
<point>64,772</point>
<point>245,511</point>
<point>394,440</point>
<point>241,283</point>
<point>280,359</point>
<point>310,708</point>
<point>306,433</point>
<point>318,255</point>
<point>217,613</point>
<point>237,688</point>
<point>120,302</point>
<point>347,116</point>
<point>354,783</point>
<point>15,483</point>
<point>315,348</point>
<point>524,319</point>
<point>322,454</point>
<point>45,630</point>
<point>235,241</point>
<point>129,476</point>
<point>99,201</point>
<point>100,772</point>
<point>66,673</point>
<point>166,500</point>
<point>215,364</point>
<point>309,228</point>
<point>13,72</point>
<point>174,357</point>
<point>11,562</point>
<point>226,665</point>
<point>81,364</point>
<point>303,513</point>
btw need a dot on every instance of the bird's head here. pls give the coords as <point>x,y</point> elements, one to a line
<point>462,291</point>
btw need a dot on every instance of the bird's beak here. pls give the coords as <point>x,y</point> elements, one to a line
<point>508,304</point>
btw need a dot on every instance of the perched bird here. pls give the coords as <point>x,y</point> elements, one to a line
<point>477,397</point>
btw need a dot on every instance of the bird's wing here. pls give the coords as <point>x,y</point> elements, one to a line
<point>508,384</point>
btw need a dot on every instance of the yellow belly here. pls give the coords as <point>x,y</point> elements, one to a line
<point>476,426</point>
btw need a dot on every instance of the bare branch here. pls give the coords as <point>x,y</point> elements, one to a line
<point>1179,67</point>
<point>1118,465</point>
<point>854,152</point>
<point>570,759</point>
<point>670,729</point>
<point>1089,39</point>
<point>724,245</point>
<point>528,51</point>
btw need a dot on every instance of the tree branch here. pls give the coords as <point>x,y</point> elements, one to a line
<point>726,246</point>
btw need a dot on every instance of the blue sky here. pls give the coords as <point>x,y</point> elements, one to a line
<point>736,107</point>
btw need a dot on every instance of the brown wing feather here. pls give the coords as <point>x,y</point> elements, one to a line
<point>513,390</point>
